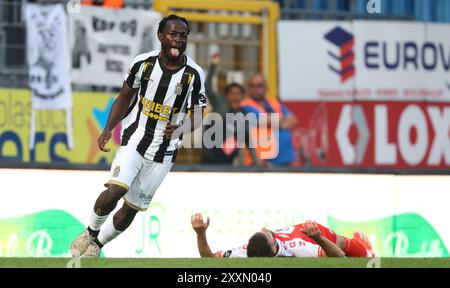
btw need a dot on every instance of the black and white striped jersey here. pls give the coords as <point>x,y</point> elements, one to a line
<point>163,96</point>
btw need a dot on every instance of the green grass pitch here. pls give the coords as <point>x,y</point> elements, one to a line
<point>223,263</point>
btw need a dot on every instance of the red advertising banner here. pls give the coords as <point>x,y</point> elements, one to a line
<point>399,135</point>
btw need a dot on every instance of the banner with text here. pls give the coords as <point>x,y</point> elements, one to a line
<point>105,41</point>
<point>48,57</point>
<point>90,113</point>
<point>392,135</point>
<point>404,216</point>
<point>364,60</point>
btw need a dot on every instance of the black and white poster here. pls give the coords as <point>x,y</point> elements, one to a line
<point>48,57</point>
<point>105,41</point>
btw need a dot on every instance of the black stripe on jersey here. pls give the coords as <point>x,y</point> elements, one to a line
<point>179,101</point>
<point>132,75</point>
<point>135,99</point>
<point>195,90</point>
<point>127,133</point>
<point>174,157</point>
<point>150,126</point>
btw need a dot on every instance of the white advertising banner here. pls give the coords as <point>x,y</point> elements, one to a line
<point>105,41</point>
<point>388,61</point>
<point>404,216</point>
<point>437,52</point>
<point>364,60</point>
<point>48,57</point>
<point>311,62</point>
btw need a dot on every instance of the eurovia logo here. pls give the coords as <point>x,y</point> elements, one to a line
<point>341,53</point>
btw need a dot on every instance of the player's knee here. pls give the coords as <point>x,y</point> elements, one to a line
<point>125,212</point>
<point>115,192</point>
<point>341,242</point>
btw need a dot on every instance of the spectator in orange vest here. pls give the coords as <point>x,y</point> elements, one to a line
<point>229,153</point>
<point>105,3</point>
<point>258,103</point>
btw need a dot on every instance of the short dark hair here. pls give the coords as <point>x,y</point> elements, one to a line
<point>171,17</point>
<point>259,246</point>
<point>234,85</point>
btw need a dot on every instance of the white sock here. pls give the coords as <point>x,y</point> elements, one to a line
<point>96,221</point>
<point>108,233</point>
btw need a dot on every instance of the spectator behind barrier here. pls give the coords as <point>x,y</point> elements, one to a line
<point>230,103</point>
<point>258,103</point>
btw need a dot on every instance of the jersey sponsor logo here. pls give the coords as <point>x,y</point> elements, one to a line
<point>157,111</point>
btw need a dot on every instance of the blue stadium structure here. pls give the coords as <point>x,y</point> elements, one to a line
<point>420,10</point>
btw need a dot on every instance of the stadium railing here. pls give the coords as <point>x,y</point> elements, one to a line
<point>308,14</point>
<point>231,169</point>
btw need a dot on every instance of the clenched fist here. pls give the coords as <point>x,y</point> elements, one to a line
<point>103,139</point>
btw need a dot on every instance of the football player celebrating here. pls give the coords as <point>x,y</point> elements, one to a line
<point>158,91</point>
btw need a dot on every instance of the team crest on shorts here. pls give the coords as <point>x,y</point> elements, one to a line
<point>116,171</point>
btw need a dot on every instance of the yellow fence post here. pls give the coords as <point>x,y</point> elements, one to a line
<point>199,11</point>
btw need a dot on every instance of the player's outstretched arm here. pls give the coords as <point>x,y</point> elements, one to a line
<point>200,228</point>
<point>312,231</point>
<point>118,110</point>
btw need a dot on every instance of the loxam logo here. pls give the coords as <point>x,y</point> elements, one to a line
<point>341,53</point>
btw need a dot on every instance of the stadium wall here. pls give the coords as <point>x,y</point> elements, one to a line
<point>404,216</point>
